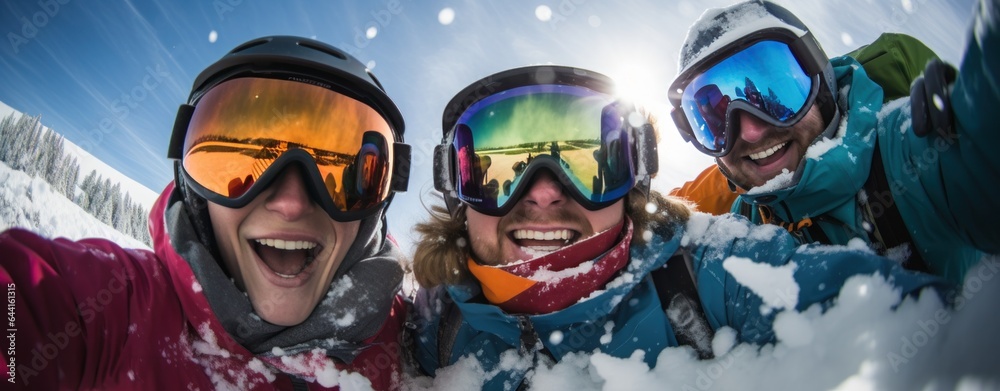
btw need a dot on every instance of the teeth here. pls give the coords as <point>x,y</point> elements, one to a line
<point>767,152</point>
<point>287,244</point>
<point>538,251</point>
<point>562,234</point>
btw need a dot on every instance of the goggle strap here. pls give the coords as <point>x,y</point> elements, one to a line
<point>815,59</point>
<point>181,122</point>
<point>401,167</point>
<point>646,148</point>
<point>442,169</point>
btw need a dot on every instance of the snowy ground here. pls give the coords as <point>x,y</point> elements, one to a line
<point>139,193</point>
<point>30,203</point>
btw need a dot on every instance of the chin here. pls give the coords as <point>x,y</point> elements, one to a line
<point>276,308</point>
<point>285,318</point>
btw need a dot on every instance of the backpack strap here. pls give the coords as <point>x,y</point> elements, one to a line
<point>448,326</point>
<point>675,286</point>
<point>888,231</point>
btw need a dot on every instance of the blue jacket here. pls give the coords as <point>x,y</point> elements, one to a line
<point>942,186</point>
<point>627,316</point>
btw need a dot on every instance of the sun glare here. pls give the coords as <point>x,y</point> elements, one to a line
<point>638,83</point>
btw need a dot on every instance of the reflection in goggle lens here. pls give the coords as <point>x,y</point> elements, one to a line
<point>765,75</point>
<point>241,127</point>
<point>582,132</point>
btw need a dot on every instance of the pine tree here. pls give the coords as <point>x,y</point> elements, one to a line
<point>7,137</point>
<point>70,174</point>
<point>86,191</point>
<point>103,203</point>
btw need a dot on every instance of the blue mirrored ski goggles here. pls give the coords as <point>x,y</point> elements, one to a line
<point>764,79</point>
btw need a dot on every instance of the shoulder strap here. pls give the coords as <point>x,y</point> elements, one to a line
<point>675,286</point>
<point>450,322</point>
<point>889,230</point>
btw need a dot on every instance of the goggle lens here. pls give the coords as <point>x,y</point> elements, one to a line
<point>583,132</point>
<point>765,75</point>
<point>242,126</point>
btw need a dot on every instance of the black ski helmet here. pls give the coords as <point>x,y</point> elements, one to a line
<point>293,58</point>
<point>316,63</point>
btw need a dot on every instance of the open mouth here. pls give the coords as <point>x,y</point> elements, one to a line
<point>286,258</point>
<point>769,155</point>
<point>539,243</point>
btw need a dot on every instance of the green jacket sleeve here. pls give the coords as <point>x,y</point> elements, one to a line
<point>893,60</point>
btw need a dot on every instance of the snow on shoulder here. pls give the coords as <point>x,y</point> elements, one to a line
<point>774,284</point>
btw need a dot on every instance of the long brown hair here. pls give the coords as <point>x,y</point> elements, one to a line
<point>443,240</point>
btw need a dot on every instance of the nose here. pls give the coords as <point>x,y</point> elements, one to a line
<point>544,192</point>
<point>288,196</point>
<point>752,129</point>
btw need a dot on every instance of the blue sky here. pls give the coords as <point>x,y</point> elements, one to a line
<point>109,75</point>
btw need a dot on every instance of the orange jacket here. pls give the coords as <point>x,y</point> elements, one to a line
<point>709,191</point>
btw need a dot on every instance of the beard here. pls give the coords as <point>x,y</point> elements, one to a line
<point>490,252</point>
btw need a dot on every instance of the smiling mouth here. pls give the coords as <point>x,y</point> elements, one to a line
<point>286,258</point>
<point>543,242</point>
<point>769,155</point>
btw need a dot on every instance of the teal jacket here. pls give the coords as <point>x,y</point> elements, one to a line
<point>453,322</point>
<point>941,185</point>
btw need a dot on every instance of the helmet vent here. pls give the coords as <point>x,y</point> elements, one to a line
<point>327,50</point>
<point>374,79</point>
<point>250,44</point>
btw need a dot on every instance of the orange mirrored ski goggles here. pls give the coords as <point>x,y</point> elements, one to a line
<point>245,131</point>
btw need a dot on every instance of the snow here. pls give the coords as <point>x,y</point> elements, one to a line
<point>139,193</point>
<point>30,203</point>
<point>774,284</point>
<point>546,275</point>
<point>870,340</point>
<point>891,107</point>
<point>702,229</point>
<point>820,147</point>
<point>315,366</point>
<point>753,18</point>
<point>780,181</point>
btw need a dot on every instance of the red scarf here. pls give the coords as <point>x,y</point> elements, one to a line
<point>557,280</point>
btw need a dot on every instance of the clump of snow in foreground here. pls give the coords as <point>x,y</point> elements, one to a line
<point>870,340</point>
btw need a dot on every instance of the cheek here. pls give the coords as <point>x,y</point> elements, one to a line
<point>225,226</point>
<point>604,219</point>
<point>482,229</point>
<point>811,126</point>
<point>346,233</point>
<point>727,161</point>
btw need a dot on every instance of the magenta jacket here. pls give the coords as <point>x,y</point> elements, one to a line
<point>92,315</point>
